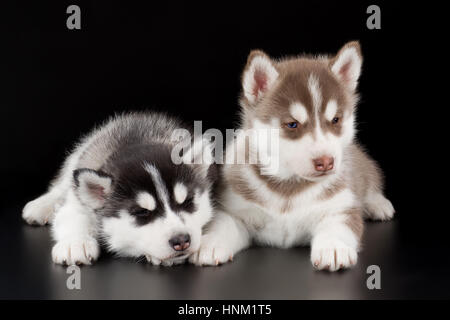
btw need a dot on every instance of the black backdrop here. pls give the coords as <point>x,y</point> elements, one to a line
<point>186,58</point>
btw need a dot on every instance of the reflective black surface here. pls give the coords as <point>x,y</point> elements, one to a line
<point>408,270</point>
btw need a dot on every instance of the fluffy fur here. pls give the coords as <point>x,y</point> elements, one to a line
<point>312,101</point>
<point>120,186</point>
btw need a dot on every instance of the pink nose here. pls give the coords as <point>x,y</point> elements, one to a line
<point>323,164</point>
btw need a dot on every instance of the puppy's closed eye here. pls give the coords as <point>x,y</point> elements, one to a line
<point>141,212</point>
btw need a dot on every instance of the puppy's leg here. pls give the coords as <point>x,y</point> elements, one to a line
<point>75,230</point>
<point>368,184</point>
<point>377,207</point>
<point>335,241</point>
<point>41,210</point>
<point>225,237</point>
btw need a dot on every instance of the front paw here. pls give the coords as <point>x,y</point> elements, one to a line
<point>333,255</point>
<point>166,263</point>
<point>211,253</point>
<point>76,251</point>
<point>153,260</point>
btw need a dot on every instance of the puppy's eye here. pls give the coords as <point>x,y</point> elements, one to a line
<point>141,212</point>
<point>335,120</point>
<point>292,125</point>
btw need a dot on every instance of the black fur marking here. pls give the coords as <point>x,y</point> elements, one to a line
<point>131,178</point>
<point>188,205</point>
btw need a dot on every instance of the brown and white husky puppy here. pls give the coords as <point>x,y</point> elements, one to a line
<point>325,185</point>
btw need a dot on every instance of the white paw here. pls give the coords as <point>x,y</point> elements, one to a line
<point>172,262</point>
<point>211,253</point>
<point>333,255</point>
<point>379,208</point>
<point>40,210</point>
<point>154,261</point>
<point>76,251</point>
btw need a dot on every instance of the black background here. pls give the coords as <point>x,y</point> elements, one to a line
<point>187,58</point>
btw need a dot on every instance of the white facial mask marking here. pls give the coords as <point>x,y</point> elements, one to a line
<point>330,110</point>
<point>146,201</point>
<point>298,112</point>
<point>159,185</point>
<point>180,191</point>
<point>314,89</point>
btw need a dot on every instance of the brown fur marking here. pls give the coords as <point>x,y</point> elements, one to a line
<point>355,221</point>
<point>285,188</point>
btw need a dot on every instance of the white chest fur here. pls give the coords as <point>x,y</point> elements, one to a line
<point>280,221</point>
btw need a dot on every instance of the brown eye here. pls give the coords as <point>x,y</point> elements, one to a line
<point>292,125</point>
<point>335,120</point>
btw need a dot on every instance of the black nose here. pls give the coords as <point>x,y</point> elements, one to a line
<point>180,242</point>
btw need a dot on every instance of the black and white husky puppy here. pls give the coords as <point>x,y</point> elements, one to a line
<point>120,186</point>
<point>325,185</point>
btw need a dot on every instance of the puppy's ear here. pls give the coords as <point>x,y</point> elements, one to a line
<point>346,65</point>
<point>258,77</point>
<point>92,187</point>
